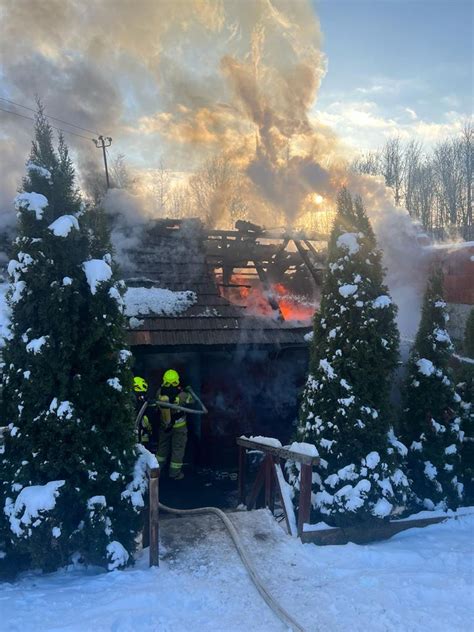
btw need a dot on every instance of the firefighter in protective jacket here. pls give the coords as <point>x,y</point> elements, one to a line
<point>145,430</point>
<point>173,430</point>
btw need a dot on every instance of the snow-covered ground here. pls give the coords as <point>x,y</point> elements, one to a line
<point>421,579</point>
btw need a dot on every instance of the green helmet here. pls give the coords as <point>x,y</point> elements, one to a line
<point>171,378</point>
<point>140,385</point>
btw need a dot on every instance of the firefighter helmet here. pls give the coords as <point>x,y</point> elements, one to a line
<point>171,378</point>
<point>140,385</point>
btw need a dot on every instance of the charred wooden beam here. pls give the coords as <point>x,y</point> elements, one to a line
<point>304,255</point>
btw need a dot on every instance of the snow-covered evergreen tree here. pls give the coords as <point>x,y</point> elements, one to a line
<point>432,411</point>
<point>71,477</point>
<point>345,409</point>
<point>465,387</point>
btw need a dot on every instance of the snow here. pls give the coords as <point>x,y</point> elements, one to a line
<point>421,579</point>
<point>117,554</point>
<point>35,345</point>
<point>372,460</point>
<point>5,315</point>
<point>425,367</point>
<point>382,301</point>
<point>349,242</point>
<point>67,281</point>
<point>35,202</point>
<point>270,441</point>
<point>41,171</point>
<point>141,301</point>
<point>348,290</point>
<point>309,336</point>
<point>96,271</point>
<point>430,470</point>
<point>442,335</point>
<point>308,449</point>
<point>327,368</point>
<point>29,504</point>
<point>136,489</point>
<point>65,410</point>
<point>382,508</point>
<point>62,226</point>
<point>114,382</point>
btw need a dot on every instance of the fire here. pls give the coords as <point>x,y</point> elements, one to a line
<point>249,293</point>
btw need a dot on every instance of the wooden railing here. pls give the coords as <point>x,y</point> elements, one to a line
<point>151,531</point>
<point>270,476</point>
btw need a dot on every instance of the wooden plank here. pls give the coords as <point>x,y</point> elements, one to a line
<point>304,508</point>
<point>153,488</point>
<point>269,496</point>
<point>242,473</point>
<point>257,486</point>
<point>282,453</point>
<point>366,533</point>
<point>288,510</point>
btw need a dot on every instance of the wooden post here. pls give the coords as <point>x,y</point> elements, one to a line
<point>269,500</point>
<point>242,464</point>
<point>153,488</point>
<point>304,509</point>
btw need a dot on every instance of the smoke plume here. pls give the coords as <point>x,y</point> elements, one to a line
<point>188,82</point>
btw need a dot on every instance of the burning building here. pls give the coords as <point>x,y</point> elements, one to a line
<point>230,310</point>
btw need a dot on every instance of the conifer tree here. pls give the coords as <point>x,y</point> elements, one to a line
<point>345,409</point>
<point>469,335</point>
<point>466,390</point>
<point>432,408</point>
<point>71,477</point>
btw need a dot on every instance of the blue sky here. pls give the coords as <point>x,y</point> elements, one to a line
<point>406,62</point>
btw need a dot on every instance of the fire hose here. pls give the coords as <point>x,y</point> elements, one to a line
<point>280,612</point>
<point>271,602</point>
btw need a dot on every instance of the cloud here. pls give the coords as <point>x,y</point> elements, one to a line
<point>364,125</point>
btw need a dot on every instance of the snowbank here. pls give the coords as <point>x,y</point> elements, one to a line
<point>141,301</point>
<point>419,580</point>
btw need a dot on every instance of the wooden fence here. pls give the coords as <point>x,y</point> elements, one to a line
<point>151,531</point>
<point>270,477</point>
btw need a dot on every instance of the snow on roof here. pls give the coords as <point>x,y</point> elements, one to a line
<point>62,226</point>
<point>96,271</point>
<point>35,202</point>
<point>141,301</point>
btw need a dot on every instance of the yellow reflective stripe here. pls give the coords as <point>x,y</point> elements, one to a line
<point>175,466</point>
<point>180,424</point>
<point>161,459</point>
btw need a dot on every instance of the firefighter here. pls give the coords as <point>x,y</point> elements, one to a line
<point>145,430</point>
<point>173,430</point>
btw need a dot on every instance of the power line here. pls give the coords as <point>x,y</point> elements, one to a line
<point>53,118</point>
<point>30,118</point>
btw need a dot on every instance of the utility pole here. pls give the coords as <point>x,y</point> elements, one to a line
<point>103,142</point>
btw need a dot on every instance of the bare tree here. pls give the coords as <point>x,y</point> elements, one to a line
<point>392,167</point>
<point>218,191</point>
<point>467,151</point>
<point>368,163</point>
<point>411,174</point>
<point>161,188</point>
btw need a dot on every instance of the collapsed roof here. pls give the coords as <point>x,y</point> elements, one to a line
<point>197,268</point>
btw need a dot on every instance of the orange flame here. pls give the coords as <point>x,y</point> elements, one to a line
<point>251,294</point>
